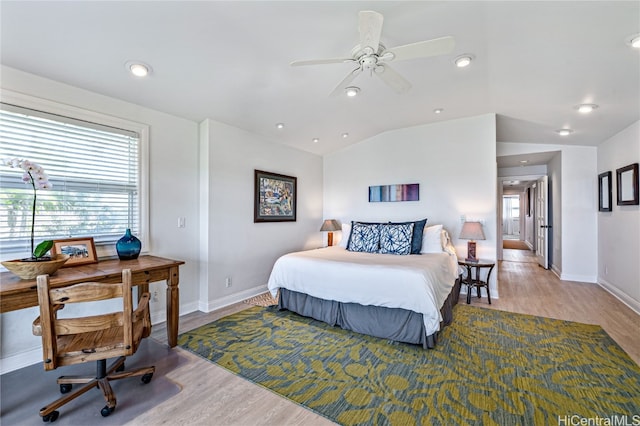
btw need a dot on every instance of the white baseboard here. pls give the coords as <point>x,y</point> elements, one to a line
<point>580,278</point>
<point>161,315</point>
<point>483,294</point>
<point>231,299</point>
<point>633,304</point>
<point>18,361</point>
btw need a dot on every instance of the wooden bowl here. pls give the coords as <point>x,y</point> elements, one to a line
<point>30,270</point>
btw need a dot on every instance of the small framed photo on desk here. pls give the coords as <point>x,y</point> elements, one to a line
<point>81,251</point>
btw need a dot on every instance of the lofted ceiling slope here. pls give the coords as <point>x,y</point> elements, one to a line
<point>229,61</point>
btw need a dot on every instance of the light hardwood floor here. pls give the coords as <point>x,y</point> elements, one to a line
<point>211,395</point>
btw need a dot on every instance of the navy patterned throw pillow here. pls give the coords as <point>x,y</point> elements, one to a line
<point>365,237</point>
<point>396,238</point>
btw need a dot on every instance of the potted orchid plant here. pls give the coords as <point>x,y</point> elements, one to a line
<point>39,263</point>
<point>34,175</point>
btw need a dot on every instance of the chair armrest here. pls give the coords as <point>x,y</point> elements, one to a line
<point>36,327</point>
<point>143,306</point>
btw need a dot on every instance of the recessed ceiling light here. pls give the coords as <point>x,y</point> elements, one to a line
<point>634,41</point>
<point>564,132</point>
<point>315,140</point>
<point>352,91</point>
<point>345,135</point>
<point>139,69</point>
<point>586,108</point>
<point>438,111</point>
<point>524,161</point>
<point>463,60</point>
<point>279,125</point>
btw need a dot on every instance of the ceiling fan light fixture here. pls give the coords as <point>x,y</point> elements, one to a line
<point>564,132</point>
<point>586,108</point>
<point>352,91</point>
<point>463,60</point>
<point>137,68</point>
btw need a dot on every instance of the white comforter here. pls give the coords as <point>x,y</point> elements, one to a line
<point>420,283</point>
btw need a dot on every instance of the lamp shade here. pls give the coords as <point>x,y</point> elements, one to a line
<point>330,225</point>
<point>472,231</point>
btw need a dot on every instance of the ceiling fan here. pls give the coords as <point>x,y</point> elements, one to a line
<point>372,56</point>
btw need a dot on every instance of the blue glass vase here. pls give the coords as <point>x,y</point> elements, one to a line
<point>128,247</point>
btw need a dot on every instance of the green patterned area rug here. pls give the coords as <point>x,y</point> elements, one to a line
<point>489,367</point>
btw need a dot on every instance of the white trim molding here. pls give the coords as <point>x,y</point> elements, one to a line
<point>633,304</point>
<point>225,301</point>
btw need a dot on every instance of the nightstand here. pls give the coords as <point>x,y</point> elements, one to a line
<point>476,282</point>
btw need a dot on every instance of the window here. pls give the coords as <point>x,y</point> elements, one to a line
<point>97,172</point>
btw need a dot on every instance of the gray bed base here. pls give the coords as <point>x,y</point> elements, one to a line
<point>396,324</point>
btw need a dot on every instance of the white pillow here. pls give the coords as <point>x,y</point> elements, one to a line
<point>432,239</point>
<point>346,231</point>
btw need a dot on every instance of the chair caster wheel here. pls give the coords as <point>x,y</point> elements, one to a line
<point>147,378</point>
<point>106,411</point>
<point>51,417</point>
<point>65,388</point>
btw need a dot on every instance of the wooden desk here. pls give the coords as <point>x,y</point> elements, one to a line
<point>16,293</point>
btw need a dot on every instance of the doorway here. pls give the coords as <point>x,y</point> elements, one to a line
<point>511,217</point>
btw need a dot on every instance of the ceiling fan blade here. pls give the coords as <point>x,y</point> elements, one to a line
<point>322,61</point>
<point>423,49</point>
<point>370,28</point>
<point>347,80</point>
<point>392,78</point>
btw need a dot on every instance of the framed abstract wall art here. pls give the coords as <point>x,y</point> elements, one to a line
<point>390,193</point>
<point>275,197</point>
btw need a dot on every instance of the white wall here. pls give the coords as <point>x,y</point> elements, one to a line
<point>173,190</point>
<point>454,162</point>
<point>575,230</point>
<point>237,247</point>
<point>619,230</point>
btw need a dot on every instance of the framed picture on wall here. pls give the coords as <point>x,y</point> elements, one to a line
<point>275,197</point>
<point>604,192</point>
<point>627,183</point>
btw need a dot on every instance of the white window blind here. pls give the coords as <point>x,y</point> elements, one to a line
<point>94,170</point>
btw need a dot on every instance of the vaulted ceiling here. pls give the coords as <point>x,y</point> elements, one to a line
<point>534,62</point>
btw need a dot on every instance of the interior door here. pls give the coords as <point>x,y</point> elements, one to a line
<point>542,222</point>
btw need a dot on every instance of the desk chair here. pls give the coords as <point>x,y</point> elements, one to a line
<point>67,341</point>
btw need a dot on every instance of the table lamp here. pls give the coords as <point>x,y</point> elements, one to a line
<point>472,231</point>
<point>330,225</point>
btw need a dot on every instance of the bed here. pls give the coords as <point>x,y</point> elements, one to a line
<point>402,298</point>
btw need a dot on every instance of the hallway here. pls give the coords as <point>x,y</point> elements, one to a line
<point>517,255</point>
